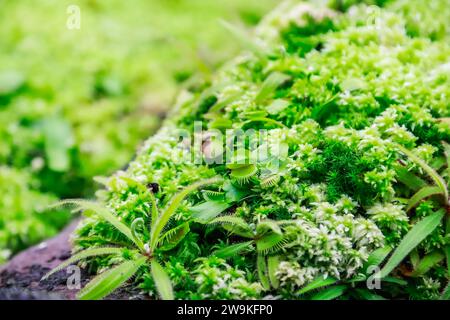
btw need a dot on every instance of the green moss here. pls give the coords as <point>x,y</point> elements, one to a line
<point>342,169</point>
<point>335,116</point>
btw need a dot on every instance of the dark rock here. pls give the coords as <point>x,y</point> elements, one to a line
<point>20,278</point>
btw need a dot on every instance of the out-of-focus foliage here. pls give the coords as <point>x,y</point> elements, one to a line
<point>76,103</point>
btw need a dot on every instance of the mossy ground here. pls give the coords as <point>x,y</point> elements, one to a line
<point>337,90</point>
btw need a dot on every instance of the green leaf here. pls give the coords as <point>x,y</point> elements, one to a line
<point>58,140</point>
<point>108,281</point>
<point>420,195</point>
<point>162,281</point>
<point>430,171</point>
<point>219,123</point>
<point>271,242</point>
<point>317,283</point>
<point>232,250</point>
<point>234,193</point>
<point>272,266</point>
<point>446,293</point>
<point>272,82</point>
<point>414,257</point>
<point>330,293</point>
<point>155,211</point>
<point>428,262</point>
<point>102,212</point>
<point>262,272</point>
<point>173,237</point>
<point>377,257</point>
<point>173,206</point>
<point>447,157</point>
<point>224,102</point>
<point>263,119</point>
<point>447,154</point>
<point>367,295</point>
<point>409,179</point>
<point>395,280</point>
<point>134,232</point>
<point>412,239</point>
<point>447,255</point>
<point>208,210</point>
<point>83,255</point>
<point>319,113</point>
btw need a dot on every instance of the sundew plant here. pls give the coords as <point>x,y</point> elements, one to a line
<point>75,103</point>
<point>349,101</point>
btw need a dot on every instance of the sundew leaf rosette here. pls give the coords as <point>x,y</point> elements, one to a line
<point>344,195</point>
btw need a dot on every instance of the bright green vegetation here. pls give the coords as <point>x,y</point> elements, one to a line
<point>74,104</point>
<point>355,102</point>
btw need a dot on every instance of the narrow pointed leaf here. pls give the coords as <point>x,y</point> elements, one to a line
<point>447,248</point>
<point>447,152</point>
<point>427,262</point>
<point>414,257</point>
<point>134,232</point>
<point>446,293</point>
<point>330,293</point>
<point>172,207</point>
<point>262,271</point>
<point>409,179</point>
<point>377,257</point>
<point>422,194</point>
<point>105,283</point>
<point>102,212</point>
<point>319,282</point>
<point>430,171</point>
<point>162,281</point>
<point>447,256</point>
<point>232,250</point>
<point>154,209</point>
<point>272,266</point>
<point>395,280</point>
<point>412,239</point>
<point>208,210</point>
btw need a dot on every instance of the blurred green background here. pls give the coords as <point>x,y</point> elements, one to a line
<point>75,104</point>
